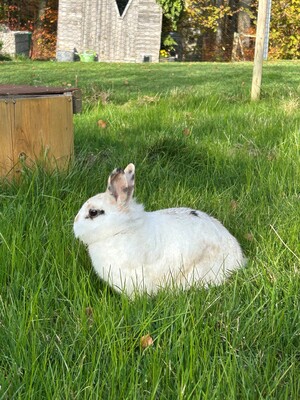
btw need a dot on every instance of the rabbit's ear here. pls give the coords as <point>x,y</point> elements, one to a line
<point>130,176</point>
<point>121,184</point>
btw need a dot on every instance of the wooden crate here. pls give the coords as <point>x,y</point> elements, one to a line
<point>36,124</point>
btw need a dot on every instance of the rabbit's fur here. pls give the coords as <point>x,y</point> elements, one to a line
<point>138,251</point>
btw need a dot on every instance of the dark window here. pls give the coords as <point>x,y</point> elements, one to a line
<point>122,5</point>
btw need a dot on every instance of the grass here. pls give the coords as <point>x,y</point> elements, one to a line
<point>198,141</point>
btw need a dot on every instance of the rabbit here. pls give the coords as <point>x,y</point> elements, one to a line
<point>136,251</point>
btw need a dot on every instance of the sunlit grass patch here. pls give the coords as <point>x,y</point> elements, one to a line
<point>197,141</point>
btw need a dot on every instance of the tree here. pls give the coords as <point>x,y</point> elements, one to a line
<point>285,29</point>
<point>45,30</point>
<point>172,11</point>
<point>211,23</point>
<point>244,22</point>
<point>17,14</point>
<point>36,16</point>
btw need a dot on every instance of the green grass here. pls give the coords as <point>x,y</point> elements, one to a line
<point>197,141</point>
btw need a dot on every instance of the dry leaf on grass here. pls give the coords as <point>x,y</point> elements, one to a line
<point>89,314</point>
<point>186,132</point>
<point>146,341</point>
<point>249,236</point>
<point>234,205</point>
<point>102,124</point>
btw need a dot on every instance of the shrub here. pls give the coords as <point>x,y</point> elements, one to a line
<point>285,29</point>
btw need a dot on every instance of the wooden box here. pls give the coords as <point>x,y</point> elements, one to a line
<point>36,123</point>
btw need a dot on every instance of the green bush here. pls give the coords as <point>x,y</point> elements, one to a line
<point>285,30</point>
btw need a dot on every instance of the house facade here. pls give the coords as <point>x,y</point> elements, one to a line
<point>116,30</point>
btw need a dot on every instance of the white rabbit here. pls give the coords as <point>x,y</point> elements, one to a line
<point>138,251</point>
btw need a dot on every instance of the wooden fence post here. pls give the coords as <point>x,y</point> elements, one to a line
<point>259,49</point>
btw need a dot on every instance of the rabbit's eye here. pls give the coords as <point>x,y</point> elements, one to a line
<point>93,213</point>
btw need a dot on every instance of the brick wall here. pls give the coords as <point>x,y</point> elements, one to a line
<point>15,42</point>
<point>97,25</point>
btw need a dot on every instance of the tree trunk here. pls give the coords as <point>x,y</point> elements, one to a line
<point>219,35</point>
<point>244,21</point>
<point>37,37</point>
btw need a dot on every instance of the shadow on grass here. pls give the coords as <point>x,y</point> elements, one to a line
<point>178,159</point>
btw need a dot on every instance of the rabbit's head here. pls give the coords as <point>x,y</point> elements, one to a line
<point>109,213</point>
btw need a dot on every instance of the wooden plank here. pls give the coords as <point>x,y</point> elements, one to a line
<point>19,91</point>
<point>6,149</point>
<point>44,131</point>
<point>12,90</point>
<point>77,101</point>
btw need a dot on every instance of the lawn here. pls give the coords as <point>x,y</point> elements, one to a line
<point>197,141</point>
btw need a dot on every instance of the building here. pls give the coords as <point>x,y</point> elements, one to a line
<point>116,30</point>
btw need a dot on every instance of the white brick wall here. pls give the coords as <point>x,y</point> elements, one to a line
<point>15,42</point>
<point>96,25</point>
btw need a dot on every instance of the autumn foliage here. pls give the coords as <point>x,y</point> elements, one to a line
<point>285,29</point>
<point>208,27</point>
<point>36,16</point>
<point>213,24</point>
